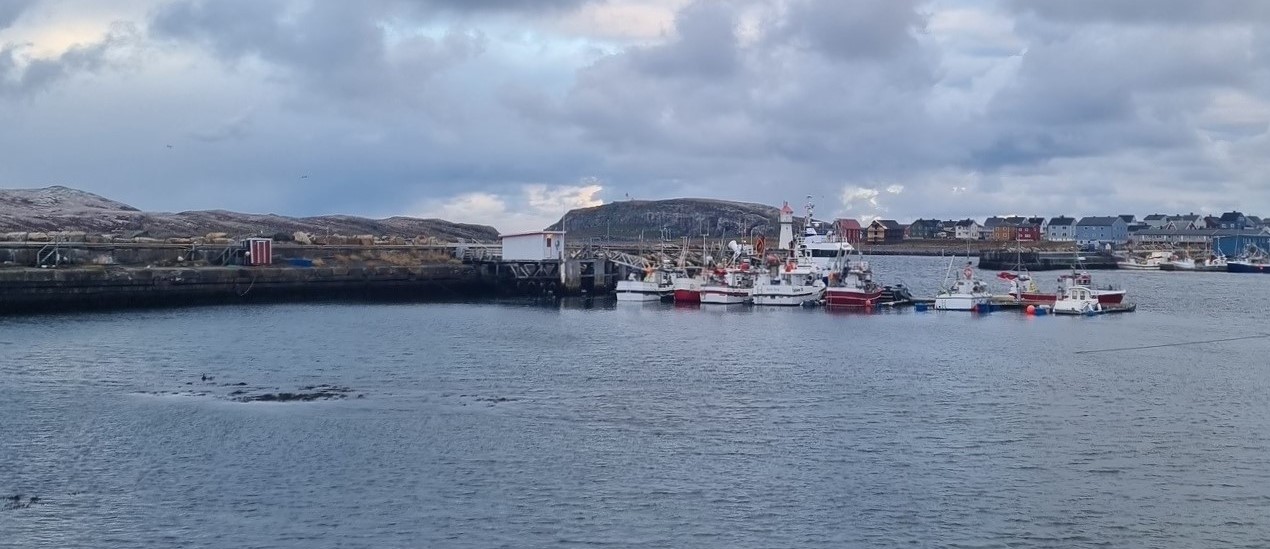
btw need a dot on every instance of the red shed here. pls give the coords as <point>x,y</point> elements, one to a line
<point>259,251</point>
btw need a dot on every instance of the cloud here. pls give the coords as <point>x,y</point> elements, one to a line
<point>921,108</point>
<point>11,10</point>
<point>528,208</point>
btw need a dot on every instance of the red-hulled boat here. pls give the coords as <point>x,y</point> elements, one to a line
<point>853,287</point>
<point>688,289</point>
<point>1024,289</point>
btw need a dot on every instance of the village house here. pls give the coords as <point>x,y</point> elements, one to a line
<point>1061,229</point>
<point>968,229</point>
<point>1101,230</point>
<point>849,230</point>
<point>922,229</point>
<point>885,231</point>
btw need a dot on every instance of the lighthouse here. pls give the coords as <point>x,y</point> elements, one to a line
<point>787,228</point>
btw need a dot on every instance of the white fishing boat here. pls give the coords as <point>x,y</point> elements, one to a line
<point>653,286</point>
<point>1078,300</point>
<point>731,286</point>
<point>966,293</point>
<point>1149,262</point>
<point>795,281</point>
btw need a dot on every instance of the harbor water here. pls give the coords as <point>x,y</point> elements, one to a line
<point>597,424</point>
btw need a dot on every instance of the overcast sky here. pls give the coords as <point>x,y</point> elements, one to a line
<point>509,112</point>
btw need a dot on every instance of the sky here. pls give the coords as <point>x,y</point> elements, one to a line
<point>511,112</point>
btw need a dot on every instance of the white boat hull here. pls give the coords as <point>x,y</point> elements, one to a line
<point>1128,266</point>
<point>961,302</point>
<point>721,295</point>
<point>786,296</point>
<point>632,290</point>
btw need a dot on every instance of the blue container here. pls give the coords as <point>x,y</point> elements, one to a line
<point>299,262</point>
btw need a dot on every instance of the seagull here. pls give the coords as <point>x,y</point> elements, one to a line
<point>169,146</point>
<point>304,177</point>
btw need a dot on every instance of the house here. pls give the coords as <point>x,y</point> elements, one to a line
<point>947,230</point>
<point>1156,221</point>
<point>922,229</point>
<point>1232,220</point>
<point>1138,226</point>
<point>1129,219</point>
<point>1006,230</point>
<point>885,231</point>
<point>1210,222</point>
<point>1028,232</point>
<point>1255,222</point>
<point>968,229</point>
<point>989,227</point>
<point>1061,229</point>
<point>849,230</point>
<point>1188,221</point>
<point>1101,230</point>
<point>535,246</point>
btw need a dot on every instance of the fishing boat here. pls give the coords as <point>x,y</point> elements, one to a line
<point>795,281</point>
<point>966,293</point>
<point>687,289</point>
<point>728,286</point>
<point>1149,262</point>
<point>853,286</point>
<point>1251,265</point>
<point>1078,300</point>
<point>653,286</point>
<point>1023,288</point>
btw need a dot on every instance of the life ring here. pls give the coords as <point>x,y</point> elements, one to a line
<point>968,272</point>
<point>789,266</point>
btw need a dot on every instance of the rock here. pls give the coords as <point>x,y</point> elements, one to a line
<point>37,237</point>
<point>216,236</point>
<point>365,240</point>
<point>302,238</point>
<point>180,241</point>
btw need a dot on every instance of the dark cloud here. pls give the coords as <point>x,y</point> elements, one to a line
<point>331,48</point>
<point>10,10</point>
<point>1181,12</point>
<point>851,29</point>
<point>901,108</point>
<point>22,79</point>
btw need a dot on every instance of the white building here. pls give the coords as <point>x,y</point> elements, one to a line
<point>787,228</point>
<point>535,246</point>
<point>968,229</point>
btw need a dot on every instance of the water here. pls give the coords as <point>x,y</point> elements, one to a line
<point>511,425</point>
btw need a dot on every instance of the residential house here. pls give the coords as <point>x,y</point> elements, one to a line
<point>1255,222</point>
<point>1129,219</point>
<point>968,229</point>
<point>1029,232</point>
<point>1101,230</point>
<point>1210,222</point>
<point>1006,230</point>
<point>849,230</point>
<point>1188,221</point>
<point>947,230</point>
<point>922,229</point>
<point>1156,221</point>
<point>989,227</point>
<point>1061,229</point>
<point>885,231</point>
<point>1232,220</point>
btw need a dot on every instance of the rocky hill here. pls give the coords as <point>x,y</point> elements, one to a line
<point>65,209</point>
<point>675,218</point>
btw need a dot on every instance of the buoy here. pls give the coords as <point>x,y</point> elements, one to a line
<point>1031,310</point>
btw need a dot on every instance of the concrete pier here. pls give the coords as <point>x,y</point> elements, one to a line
<point>27,290</point>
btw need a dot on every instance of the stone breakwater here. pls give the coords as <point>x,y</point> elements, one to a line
<point>27,290</point>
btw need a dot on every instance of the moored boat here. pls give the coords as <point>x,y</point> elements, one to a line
<point>730,286</point>
<point>1078,300</point>
<point>853,287</point>
<point>966,293</point>
<point>1248,266</point>
<point>1024,289</point>
<point>653,286</point>
<point>796,281</point>
<point>687,289</point>
<point>1149,262</point>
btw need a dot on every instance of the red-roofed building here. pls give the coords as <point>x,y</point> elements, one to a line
<point>849,230</point>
